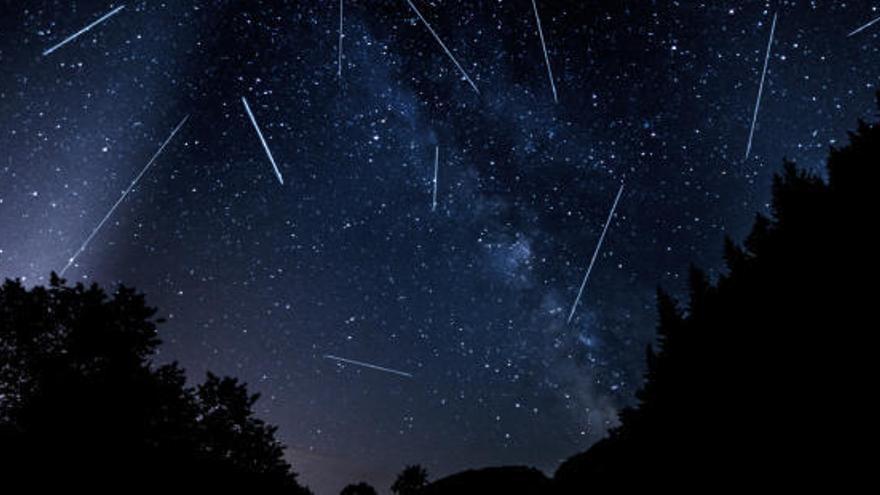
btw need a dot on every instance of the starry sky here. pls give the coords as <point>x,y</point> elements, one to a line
<point>348,257</point>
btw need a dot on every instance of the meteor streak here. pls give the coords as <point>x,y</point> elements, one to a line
<point>866,26</point>
<point>436,169</point>
<point>339,59</point>
<point>84,30</point>
<point>367,365</point>
<point>247,108</point>
<point>544,47</point>
<point>442,45</point>
<point>595,253</point>
<point>122,197</point>
<point>761,87</point>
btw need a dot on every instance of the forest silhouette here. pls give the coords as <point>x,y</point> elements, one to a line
<point>757,380</point>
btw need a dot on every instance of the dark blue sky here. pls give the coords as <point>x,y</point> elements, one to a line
<point>261,280</point>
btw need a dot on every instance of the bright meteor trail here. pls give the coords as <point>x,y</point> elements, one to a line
<point>544,47</point>
<point>84,30</point>
<point>595,253</point>
<point>442,45</point>
<point>247,108</point>
<point>436,170</point>
<point>367,365</point>
<point>122,197</point>
<point>339,60</point>
<point>866,26</point>
<point>761,87</point>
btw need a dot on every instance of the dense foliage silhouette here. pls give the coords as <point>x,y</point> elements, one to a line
<point>83,406</point>
<point>361,488</point>
<point>760,379</point>
<point>410,481</point>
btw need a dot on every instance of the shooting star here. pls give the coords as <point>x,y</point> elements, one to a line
<point>866,26</point>
<point>247,108</point>
<point>595,253</point>
<point>367,365</point>
<point>339,59</point>
<point>761,87</point>
<point>544,47</point>
<point>442,45</point>
<point>84,30</point>
<point>436,169</point>
<point>131,186</point>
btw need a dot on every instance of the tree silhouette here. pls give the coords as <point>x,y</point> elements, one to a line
<point>361,488</point>
<point>82,404</point>
<point>410,481</point>
<point>501,480</point>
<point>745,384</point>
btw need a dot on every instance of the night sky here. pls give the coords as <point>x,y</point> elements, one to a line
<point>349,258</point>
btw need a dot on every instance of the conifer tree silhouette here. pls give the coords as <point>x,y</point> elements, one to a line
<point>746,385</point>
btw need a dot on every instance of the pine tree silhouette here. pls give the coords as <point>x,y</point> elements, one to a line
<point>82,405</point>
<point>760,381</point>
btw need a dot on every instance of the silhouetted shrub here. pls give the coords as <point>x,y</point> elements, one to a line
<point>358,489</point>
<point>410,480</point>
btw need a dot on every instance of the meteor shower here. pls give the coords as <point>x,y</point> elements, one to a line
<point>437,247</point>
